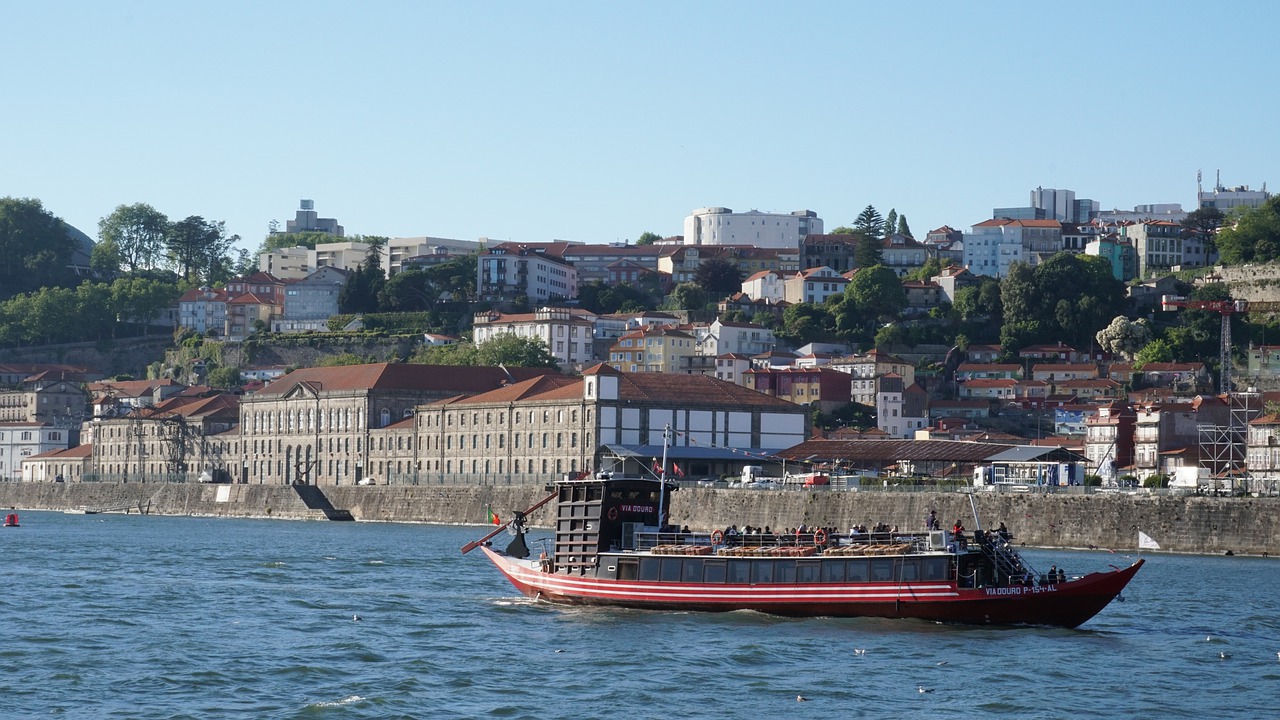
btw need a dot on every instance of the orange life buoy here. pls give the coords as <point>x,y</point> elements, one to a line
<point>820,537</point>
<point>717,537</point>
<point>613,513</point>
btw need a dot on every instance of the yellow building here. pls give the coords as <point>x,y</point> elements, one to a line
<point>657,348</point>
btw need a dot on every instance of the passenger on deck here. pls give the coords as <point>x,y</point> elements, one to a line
<point>1062,576</point>
<point>931,521</point>
<point>1053,575</point>
<point>1003,532</point>
<point>684,529</point>
<point>958,531</point>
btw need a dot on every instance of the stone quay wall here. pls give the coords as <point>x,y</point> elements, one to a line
<point>1244,526</point>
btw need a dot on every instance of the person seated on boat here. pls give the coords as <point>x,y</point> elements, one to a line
<point>767,531</point>
<point>931,521</point>
<point>958,531</point>
<point>1062,576</point>
<point>685,530</point>
<point>1003,532</point>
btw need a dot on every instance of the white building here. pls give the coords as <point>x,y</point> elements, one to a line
<point>1227,198</point>
<point>310,302</point>
<point>203,309</point>
<point>505,272</point>
<point>722,226</point>
<point>566,332</point>
<point>292,263</point>
<point>21,440</point>
<point>994,245</point>
<point>308,220</point>
<point>734,337</point>
<point>400,250</point>
<point>813,286</point>
<point>765,285</point>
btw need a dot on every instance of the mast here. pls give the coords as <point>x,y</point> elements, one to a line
<point>662,476</point>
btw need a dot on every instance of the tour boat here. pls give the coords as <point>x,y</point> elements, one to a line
<point>611,546</point>
<point>11,520</point>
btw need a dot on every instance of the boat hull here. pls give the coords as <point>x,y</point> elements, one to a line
<point>1066,604</point>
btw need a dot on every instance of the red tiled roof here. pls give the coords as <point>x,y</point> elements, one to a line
<point>404,376</point>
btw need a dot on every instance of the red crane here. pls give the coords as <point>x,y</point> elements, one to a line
<point>1225,308</point>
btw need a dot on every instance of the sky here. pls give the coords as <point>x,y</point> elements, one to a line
<point>599,121</point>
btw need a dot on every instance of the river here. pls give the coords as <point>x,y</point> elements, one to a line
<point>127,616</point>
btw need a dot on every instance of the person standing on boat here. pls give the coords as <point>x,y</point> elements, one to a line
<point>931,522</point>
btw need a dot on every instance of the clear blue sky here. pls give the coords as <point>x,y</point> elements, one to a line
<point>597,121</point>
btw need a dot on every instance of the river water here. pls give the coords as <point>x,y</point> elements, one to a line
<point>123,616</point>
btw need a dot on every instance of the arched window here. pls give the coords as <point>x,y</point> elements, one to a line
<point>385,417</point>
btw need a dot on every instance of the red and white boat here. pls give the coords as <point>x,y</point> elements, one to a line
<point>607,550</point>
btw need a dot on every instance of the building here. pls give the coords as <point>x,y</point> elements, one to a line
<point>286,263</point>
<point>1262,452</point>
<point>22,440</point>
<point>1119,252</point>
<point>994,245</point>
<point>567,332</point>
<point>1162,428</point>
<point>203,310</point>
<point>67,465</point>
<point>544,428</point>
<point>178,439</point>
<point>1160,247</point>
<point>766,285</point>
<point>953,278</point>
<point>902,254</point>
<point>974,370</point>
<point>404,253</point>
<point>1062,205</point>
<point>866,367</point>
<point>901,409</point>
<point>735,337</point>
<point>722,226</point>
<point>813,285</point>
<point>680,262</point>
<point>343,255</point>
<point>310,302</point>
<point>510,270</point>
<point>1228,198</point>
<point>922,296</point>
<point>659,348</point>
<point>1108,441</point>
<point>320,425</point>
<point>46,398</point>
<point>821,388</point>
<point>306,219</point>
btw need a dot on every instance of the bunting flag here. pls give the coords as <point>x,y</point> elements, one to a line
<point>675,467</point>
<point>493,517</point>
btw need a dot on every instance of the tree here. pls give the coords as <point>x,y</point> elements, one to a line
<point>648,238</point>
<point>1203,223</point>
<point>891,222</point>
<point>868,251</point>
<point>1125,337</point>
<point>360,293</point>
<point>137,233</point>
<point>34,248</point>
<point>407,291</point>
<point>873,296</point>
<point>506,349</point>
<point>903,228</point>
<point>1254,237</point>
<point>1155,351</point>
<point>718,276</point>
<point>224,377</point>
<point>307,239</point>
<point>688,296</point>
<point>197,248</point>
<point>869,223</point>
<point>1066,298</point>
<point>137,299</point>
<point>803,323</point>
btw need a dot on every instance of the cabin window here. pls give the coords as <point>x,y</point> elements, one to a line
<point>713,571</point>
<point>807,571</point>
<point>595,494</point>
<point>670,570</point>
<point>882,569</point>
<point>762,571</point>
<point>935,569</point>
<point>649,569</point>
<point>859,570</point>
<point>692,571</point>
<point>628,570</point>
<point>739,572</point>
<point>833,572</point>
<point>784,571</point>
<point>909,570</point>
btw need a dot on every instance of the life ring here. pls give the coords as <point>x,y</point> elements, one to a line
<point>613,513</point>
<point>820,537</point>
<point>717,537</point>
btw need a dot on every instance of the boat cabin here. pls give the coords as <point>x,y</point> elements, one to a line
<point>602,514</point>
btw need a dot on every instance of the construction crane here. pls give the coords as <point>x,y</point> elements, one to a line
<point>1225,308</point>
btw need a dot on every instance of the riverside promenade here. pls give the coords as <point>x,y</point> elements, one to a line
<point>1189,524</point>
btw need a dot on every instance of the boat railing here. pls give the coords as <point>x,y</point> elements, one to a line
<point>918,542</point>
<point>1008,563</point>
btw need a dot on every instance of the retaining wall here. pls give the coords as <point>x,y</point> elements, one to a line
<point>1180,524</point>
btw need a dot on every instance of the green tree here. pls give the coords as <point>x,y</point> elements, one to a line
<point>224,377</point>
<point>903,228</point>
<point>803,323</point>
<point>197,248</point>
<point>360,293</point>
<point>307,239</point>
<point>689,296</point>
<point>1067,297</point>
<point>137,233</point>
<point>1204,223</point>
<point>648,238</point>
<point>137,299</point>
<point>891,222</point>
<point>94,312</point>
<point>872,297</point>
<point>869,223</point>
<point>34,248</point>
<point>1154,351</point>
<point>408,291</point>
<point>718,276</point>
<point>1254,237</point>
<point>506,349</point>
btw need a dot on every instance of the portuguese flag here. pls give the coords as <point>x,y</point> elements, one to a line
<point>493,518</point>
